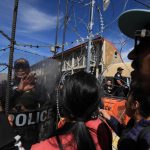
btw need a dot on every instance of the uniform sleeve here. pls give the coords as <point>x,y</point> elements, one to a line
<point>117,76</point>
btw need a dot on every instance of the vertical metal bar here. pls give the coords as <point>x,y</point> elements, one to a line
<point>57,25</point>
<point>64,33</point>
<point>10,67</point>
<point>90,36</point>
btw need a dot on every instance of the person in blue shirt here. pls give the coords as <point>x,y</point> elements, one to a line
<point>136,135</point>
<point>138,109</point>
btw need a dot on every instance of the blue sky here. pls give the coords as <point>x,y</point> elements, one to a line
<point>37,22</point>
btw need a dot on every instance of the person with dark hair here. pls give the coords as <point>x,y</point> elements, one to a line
<point>25,97</point>
<point>119,83</point>
<point>138,109</point>
<point>136,24</point>
<point>29,95</point>
<point>108,88</point>
<point>82,129</point>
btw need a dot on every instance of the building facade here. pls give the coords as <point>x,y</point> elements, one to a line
<point>103,54</point>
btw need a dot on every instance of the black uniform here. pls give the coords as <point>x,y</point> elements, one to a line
<point>30,133</point>
<point>23,101</point>
<point>118,89</point>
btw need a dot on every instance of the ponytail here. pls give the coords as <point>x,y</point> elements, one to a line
<point>82,137</point>
<point>81,134</point>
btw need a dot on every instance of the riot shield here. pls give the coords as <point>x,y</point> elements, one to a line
<point>33,115</point>
<point>48,77</point>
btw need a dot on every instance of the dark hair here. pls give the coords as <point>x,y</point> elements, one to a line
<point>143,98</point>
<point>119,69</point>
<point>21,63</point>
<point>80,101</point>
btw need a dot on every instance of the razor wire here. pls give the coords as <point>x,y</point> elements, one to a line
<point>4,49</point>
<point>3,69</point>
<point>124,7</point>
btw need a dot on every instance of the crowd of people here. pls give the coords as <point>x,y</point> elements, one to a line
<point>83,125</point>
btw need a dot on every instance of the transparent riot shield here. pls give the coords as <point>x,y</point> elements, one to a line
<point>48,76</point>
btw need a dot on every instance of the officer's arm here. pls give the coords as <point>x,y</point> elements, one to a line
<point>119,82</point>
<point>118,79</point>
